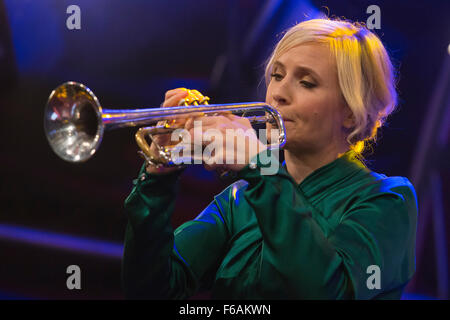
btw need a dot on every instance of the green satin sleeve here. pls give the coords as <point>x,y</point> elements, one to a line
<point>304,261</point>
<point>159,263</point>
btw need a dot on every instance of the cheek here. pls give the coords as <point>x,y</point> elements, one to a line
<point>307,113</point>
<point>316,118</point>
<point>320,106</point>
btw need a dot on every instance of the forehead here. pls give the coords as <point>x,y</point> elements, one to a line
<point>315,56</point>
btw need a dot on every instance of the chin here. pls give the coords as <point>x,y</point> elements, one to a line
<point>297,144</point>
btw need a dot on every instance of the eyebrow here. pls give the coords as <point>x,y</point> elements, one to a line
<point>301,69</point>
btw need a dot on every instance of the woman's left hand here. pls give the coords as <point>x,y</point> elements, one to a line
<point>228,142</point>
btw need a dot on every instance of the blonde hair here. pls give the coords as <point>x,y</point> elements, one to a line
<point>365,72</point>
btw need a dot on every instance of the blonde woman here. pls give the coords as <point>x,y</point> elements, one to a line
<point>324,226</point>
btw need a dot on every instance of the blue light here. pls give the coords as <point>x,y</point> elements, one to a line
<point>36,34</point>
<point>416,296</point>
<point>61,241</point>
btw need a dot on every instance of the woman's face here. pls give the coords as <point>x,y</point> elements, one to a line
<point>304,88</point>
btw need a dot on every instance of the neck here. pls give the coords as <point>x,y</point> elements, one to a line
<point>301,164</point>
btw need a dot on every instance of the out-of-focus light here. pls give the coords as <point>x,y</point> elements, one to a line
<point>448,48</point>
<point>66,242</point>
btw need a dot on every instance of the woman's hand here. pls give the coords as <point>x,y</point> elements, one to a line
<point>228,142</point>
<point>172,99</point>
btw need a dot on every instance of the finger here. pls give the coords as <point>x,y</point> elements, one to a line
<point>189,124</point>
<point>197,95</point>
<point>242,120</point>
<point>171,93</point>
<point>194,121</point>
<point>174,99</point>
<point>213,121</point>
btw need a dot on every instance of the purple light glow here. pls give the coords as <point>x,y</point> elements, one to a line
<point>61,241</point>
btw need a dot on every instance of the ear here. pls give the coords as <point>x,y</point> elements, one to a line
<point>349,121</point>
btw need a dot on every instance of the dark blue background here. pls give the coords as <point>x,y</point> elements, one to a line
<point>129,53</point>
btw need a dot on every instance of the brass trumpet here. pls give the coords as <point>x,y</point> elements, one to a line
<point>74,122</point>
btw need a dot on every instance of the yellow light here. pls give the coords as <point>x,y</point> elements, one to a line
<point>359,147</point>
<point>235,189</point>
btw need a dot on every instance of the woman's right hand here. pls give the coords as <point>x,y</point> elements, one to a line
<point>172,99</point>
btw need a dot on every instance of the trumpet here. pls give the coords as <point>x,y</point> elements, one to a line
<point>75,122</point>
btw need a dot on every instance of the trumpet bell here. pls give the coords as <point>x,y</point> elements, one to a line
<point>73,122</point>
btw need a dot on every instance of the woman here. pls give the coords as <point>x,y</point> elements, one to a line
<point>324,226</point>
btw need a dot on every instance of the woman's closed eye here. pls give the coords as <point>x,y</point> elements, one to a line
<point>304,83</point>
<point>307,84</point>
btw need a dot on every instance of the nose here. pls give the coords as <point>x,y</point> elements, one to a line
<point>280,99</point>
<point>280,93</point>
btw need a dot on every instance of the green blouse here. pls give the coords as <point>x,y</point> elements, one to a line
<point>340,231</point>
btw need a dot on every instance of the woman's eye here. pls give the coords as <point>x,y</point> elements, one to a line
<point>276,76</point>
<point>307,84</point>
